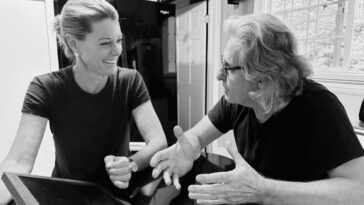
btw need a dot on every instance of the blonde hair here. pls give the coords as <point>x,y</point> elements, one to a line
<point>76,20</point>
<point>268,55</point>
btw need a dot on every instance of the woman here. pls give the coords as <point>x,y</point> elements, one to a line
<point>294,141</point>
<point>89,106</point>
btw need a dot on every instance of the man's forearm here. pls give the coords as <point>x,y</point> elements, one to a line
<point>195,142</point>
<point>330,191</point>
<point>202,134</point>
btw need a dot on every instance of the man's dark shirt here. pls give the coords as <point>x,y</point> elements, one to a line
<point>302,142</point>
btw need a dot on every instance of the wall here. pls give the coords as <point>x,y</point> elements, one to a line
<point>25,52</point>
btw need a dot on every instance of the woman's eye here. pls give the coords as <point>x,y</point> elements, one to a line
<point>119,40</point>
<point>104,43</point>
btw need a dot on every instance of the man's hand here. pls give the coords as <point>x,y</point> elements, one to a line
<point>119,170</point>
<point>241,185</point>
<point>174,161</point>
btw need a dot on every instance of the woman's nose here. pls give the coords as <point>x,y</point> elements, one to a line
<point>116,49</point>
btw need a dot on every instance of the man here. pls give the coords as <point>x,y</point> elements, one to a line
<point>295,143</point>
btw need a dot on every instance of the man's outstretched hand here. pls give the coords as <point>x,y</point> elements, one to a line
<point>175,161</point>
<point>239,186</point>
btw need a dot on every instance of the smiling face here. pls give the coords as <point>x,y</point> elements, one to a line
<point>236,87</point>
<point>101,48</point>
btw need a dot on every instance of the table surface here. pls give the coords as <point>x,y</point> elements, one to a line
<point>359,125</point>
<point>211,162</point>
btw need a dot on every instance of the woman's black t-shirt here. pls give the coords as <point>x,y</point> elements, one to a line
<point>86,127</point>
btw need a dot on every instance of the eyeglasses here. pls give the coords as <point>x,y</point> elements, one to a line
<point>227,67</point>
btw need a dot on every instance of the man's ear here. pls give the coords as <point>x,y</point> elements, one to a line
<point>260,84</point>
<point>72,43</point>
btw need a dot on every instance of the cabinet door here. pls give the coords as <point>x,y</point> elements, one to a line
<point>28,48</point>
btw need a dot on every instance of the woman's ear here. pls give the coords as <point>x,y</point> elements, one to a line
<point>72,43</point>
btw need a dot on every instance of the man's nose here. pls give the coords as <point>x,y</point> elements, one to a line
<point>221,74</point>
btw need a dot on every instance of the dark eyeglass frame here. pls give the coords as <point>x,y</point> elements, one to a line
<point>227,67</point>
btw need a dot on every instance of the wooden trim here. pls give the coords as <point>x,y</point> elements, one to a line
<point>340,77</point>
<point>247,7</point>
<point>213,56</point>
<point>52,39</point>
<point>213,52</point>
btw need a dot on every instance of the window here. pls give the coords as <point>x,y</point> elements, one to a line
<point>329,32</point>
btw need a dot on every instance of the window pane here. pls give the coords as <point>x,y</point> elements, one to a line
<point>324,53</point>
<point>300,4</point>
<point>357,43</point>
<point>312,25</point>
<point>326,20</point>
<point>322,28</point>
<point>301,48</point>
<point>299,24</point>
<point>312,51</point>
<point>277,5</point>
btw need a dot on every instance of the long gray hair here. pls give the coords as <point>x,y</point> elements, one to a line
<point>268,55</point>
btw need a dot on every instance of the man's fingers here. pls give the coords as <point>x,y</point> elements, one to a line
<point>213,178</point>
<point>176,182</point>
<point>167,178</point>
<point>175,179</point>
<point>200,196</point>
<point>178,132</point>
<point>159,156</point>
<point>233,151</point>
<point>218,190</point>
<point>160,168</point>
<point>218,201</point>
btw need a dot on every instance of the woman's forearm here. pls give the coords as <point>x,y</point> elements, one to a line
<point>152,132</point>
<point>143,156</point>
<point>325,192</point>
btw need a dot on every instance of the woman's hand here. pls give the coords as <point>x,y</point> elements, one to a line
<point>174,161</point>
<point>241,185</point>
<point>119,170</point>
